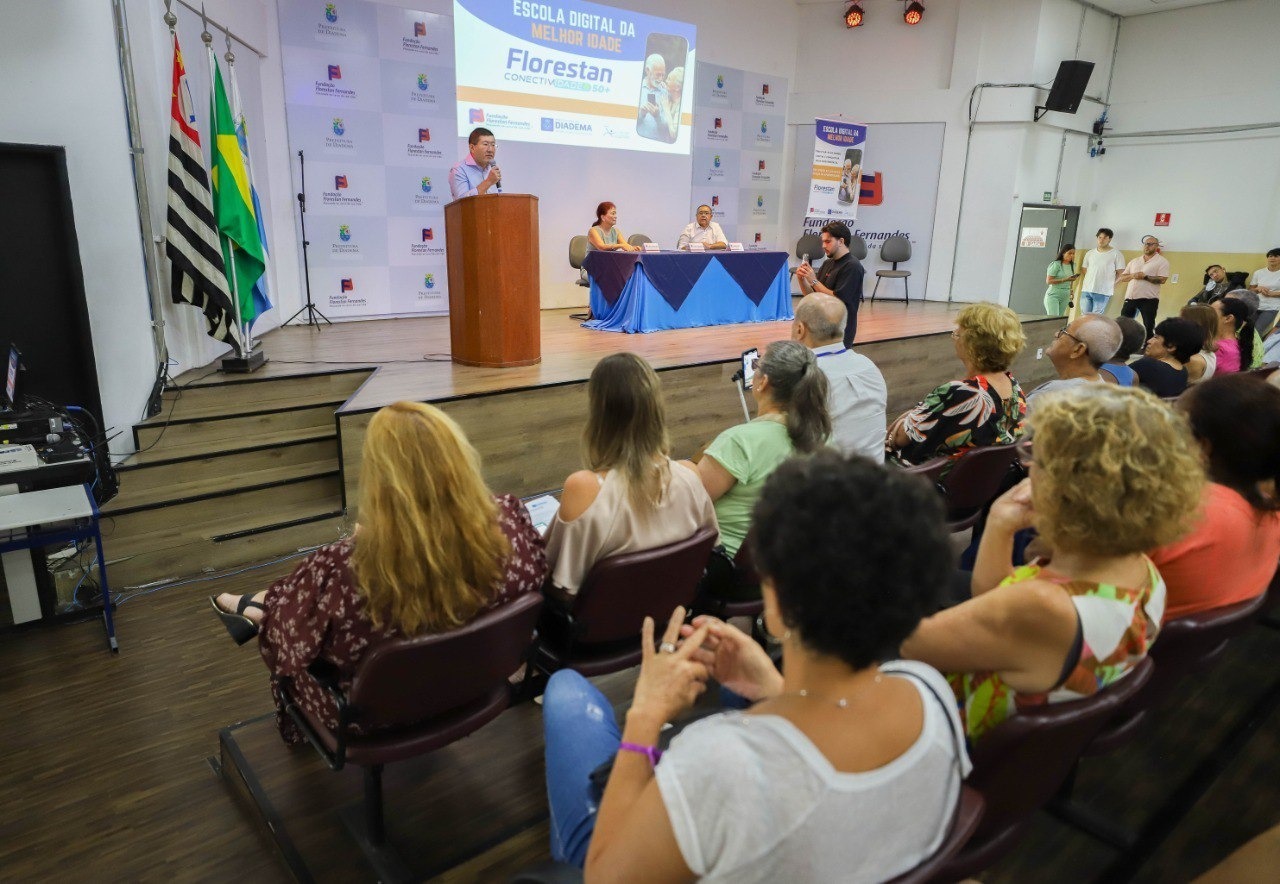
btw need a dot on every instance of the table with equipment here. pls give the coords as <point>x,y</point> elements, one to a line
<point>652,291</point>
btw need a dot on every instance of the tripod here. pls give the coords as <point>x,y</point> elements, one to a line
<point>313,315</point>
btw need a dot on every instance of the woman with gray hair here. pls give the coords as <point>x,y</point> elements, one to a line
<point>791,416</point>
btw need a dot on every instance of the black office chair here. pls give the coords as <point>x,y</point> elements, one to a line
<point>578,254</point>
<point>858,247</point>
<point>895,250</point>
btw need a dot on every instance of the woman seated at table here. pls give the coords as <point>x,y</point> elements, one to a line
<point>605,235</point>
<point>434,549</point>
<point>985,407</point>
<point>849,767</point>
<point>1113,473</point>
<point>1231,553</point>
<point>1163,370</point>
<point>791,416</point>
<point>631,496</point>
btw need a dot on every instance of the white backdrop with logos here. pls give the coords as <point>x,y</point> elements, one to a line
<point>369,98</point>
<point>739,124</point>
<point>899,196</point>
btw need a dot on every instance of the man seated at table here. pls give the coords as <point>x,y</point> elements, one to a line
<point>840,275</point>
<point>704,231</point>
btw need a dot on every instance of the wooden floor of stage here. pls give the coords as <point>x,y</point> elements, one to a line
<point>413,354</point>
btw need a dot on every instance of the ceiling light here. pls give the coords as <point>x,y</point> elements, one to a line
<point>853,16</point>
<point>913,13</point>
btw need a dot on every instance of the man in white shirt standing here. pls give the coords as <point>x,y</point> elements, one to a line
<point>1266,282</point>
<point>703,230</point>
<point>1145,274</point>
<point>1102,266</point>
<point>857,395</point>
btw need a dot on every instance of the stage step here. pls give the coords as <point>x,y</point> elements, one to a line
<point>151,485</point>
<point>255,395</point>
<point>197,438</point>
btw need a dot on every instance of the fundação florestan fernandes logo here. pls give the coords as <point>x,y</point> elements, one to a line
<point>330,13</point>
<point>344,232</point>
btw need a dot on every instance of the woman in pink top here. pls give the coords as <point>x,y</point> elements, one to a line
<point>1231,553</point>
<point>1235,335</point>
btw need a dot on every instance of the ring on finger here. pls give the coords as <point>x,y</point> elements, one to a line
<point>667,648</point>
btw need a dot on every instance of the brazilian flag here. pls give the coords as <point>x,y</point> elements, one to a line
<point>233,203</point>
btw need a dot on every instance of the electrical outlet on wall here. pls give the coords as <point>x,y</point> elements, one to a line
<point>1039,352</point>
<point>1174,279</point>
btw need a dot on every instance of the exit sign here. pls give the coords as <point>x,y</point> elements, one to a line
<point>1163,219</point>
<point>1048,195</point>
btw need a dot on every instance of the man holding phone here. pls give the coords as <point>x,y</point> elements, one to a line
<point>476,173</point>
<point>840,275</point>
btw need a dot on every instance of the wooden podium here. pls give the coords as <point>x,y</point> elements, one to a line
<point>493,279</point>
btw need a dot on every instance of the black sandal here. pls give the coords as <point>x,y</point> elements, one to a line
<point>241,628</point>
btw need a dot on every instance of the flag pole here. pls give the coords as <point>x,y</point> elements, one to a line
<point>207,39</point>
<point>244,326</point>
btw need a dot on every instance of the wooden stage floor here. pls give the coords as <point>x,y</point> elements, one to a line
<point>412,355</point>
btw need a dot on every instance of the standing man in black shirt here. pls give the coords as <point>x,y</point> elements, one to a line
<point>840,275</point>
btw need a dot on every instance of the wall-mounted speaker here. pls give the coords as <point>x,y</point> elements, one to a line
<point>1068,88</point>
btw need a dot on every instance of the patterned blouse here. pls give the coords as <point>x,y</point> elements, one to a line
<point>318,613</point>
<point>1117,625</point>
<point>960,415</point>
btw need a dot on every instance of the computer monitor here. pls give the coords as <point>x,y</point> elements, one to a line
<point>10,400</point>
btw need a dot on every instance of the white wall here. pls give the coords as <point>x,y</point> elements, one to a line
<point>62,87</point>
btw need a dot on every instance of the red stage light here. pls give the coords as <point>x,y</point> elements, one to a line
<point>914,13</point>
<point>853,16</point>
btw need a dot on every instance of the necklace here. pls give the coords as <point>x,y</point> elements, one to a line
<point>841,702</point>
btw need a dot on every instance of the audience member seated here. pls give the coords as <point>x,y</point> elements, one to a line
<point>605,235</point>
<point>791,416</point>
<point>1216,284</point>
<point>1231,553</point>
<point>1265,283</point>
<point>1078,351</point>
<point>985,407</point>
<point>631,496</point>
<point>1202,366</point>
<point>1236,335</point>
<point>1163,370</point>
<point>1250,300</point>
<point>856,393</point>
<point>1116,370</point>
<point>1113,472</point>
<point>848,768</point>
<point>433,550</point>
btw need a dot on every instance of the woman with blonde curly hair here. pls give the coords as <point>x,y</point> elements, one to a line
<point>434,548</point>
<point>985,407</point>
<point>1113,472</point>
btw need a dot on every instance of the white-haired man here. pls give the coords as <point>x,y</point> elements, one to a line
<point>653,97</point>
<point>1078,351</point>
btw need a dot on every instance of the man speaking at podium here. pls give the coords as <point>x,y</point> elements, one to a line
<point>476,173</point>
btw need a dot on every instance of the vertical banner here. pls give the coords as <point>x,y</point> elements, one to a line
<point>835,182</point>
<point>369,100</point>
<point>739,122</point>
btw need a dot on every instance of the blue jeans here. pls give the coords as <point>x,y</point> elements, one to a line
<point>581,733</point>
<point>1092,302</point>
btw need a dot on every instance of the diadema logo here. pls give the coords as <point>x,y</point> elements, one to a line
<point>344,232</point>
<point>548,124</point>
<point>423,84</point>
<point>429,281</point>
<point>426,184</point>
<point>759,201</point>
<point>719,81</point>
<point>339,127</point>
<point>330,13</point>
<point>764,127</point>
<point>716,162</point>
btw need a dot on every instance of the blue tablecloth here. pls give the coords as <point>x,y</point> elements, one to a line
<point>645,291</point>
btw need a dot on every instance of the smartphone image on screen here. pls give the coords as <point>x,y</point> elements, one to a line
<point>750,359</point>
<point>850,176</point>
<point>662,81</point>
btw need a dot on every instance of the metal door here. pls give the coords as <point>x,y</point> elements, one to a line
<point>1041,232</point>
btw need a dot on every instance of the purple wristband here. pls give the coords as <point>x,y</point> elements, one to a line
<point>653,753</point>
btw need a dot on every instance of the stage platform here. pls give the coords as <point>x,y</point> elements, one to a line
<point>526,421</point>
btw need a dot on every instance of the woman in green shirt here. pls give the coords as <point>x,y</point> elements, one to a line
<point>791,416</point>
<point>1059,276</point>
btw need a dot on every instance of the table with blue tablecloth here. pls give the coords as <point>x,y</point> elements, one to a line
<point>652,291</point>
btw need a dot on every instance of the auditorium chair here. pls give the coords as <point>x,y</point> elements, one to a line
<point>747,600</point>
<point>978,478</point>
<point>930,470</point>
<point>858,247</point>
<point>578,254</point>
<point>895,250</point>
<point>967,816</point>
<point>411,696</point>
<point>638,240</point>
<point>1023,762</point>
<point>598,630</point>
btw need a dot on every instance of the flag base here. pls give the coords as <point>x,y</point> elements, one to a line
<point>244,364</point>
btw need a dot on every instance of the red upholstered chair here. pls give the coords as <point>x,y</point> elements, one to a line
<point>1023,762</point>
<point>977,478</point>
<point>411,696</point>
<point>930,470</point>
<point>599,631</point>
